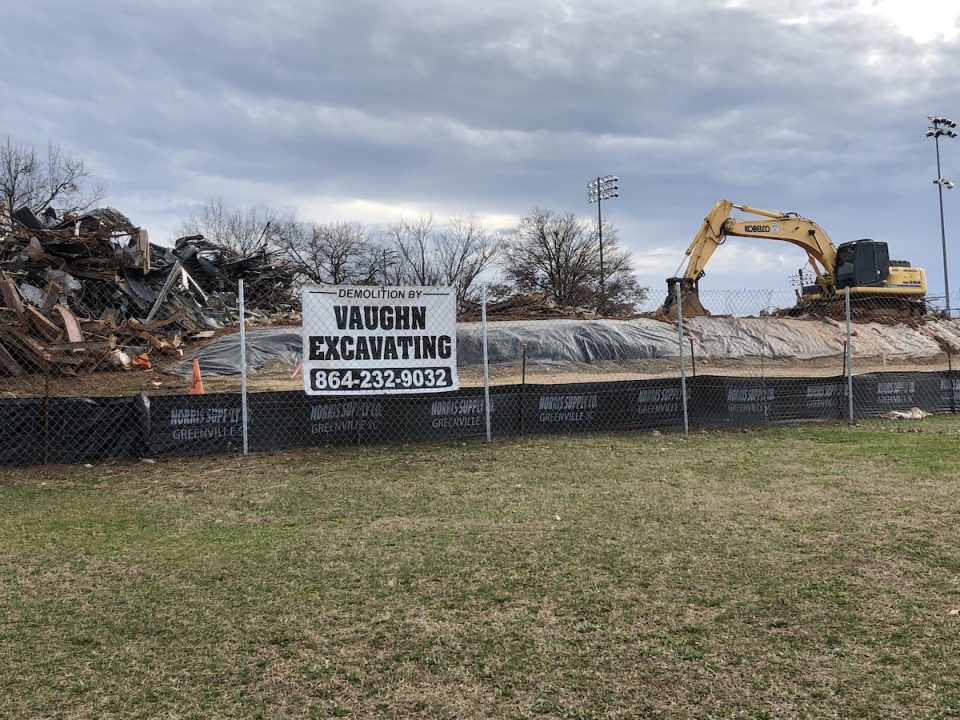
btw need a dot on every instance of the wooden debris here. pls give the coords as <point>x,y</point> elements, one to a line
<point>43,326</point>
<point>9,365</point>
<point>72,288</point>
<point>11,296</point>
<point>70,322</point>
<point>51,294</point>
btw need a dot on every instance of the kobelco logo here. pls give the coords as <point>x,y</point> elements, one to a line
<point>761,228</point>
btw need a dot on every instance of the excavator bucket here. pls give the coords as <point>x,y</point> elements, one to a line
<point>690,305</point>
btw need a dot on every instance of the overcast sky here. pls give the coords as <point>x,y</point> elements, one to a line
<point>366,110</point>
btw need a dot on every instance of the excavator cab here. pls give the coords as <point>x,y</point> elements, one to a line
<point>862,263</point>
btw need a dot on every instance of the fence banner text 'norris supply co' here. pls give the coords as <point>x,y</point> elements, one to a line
<point>363,340</point>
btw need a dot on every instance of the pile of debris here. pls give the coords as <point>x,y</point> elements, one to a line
<point>84,293</point>
<point>523,307</point>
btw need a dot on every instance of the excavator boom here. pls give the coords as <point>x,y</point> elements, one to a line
<point>787,227</point>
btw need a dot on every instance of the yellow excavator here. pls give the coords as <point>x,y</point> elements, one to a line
<point>864,266</point>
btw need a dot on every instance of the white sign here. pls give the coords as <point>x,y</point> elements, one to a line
<point>362,340</point>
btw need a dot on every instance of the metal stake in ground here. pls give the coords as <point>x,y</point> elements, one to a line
<point>486,358</point>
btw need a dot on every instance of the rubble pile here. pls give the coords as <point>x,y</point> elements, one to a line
<point>522,307</point>
<point>90,292</point>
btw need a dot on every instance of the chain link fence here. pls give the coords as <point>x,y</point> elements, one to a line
<point>387,365</point>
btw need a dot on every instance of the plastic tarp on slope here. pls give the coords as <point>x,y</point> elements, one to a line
<point>548,342</point>
<point>567,341</point>
<point>222,356</point>
<point>558,342</point>
<point>783,338</point>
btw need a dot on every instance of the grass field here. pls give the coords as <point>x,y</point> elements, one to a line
<point>792,572</point>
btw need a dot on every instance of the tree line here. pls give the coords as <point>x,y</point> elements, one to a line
<point>550,253</point>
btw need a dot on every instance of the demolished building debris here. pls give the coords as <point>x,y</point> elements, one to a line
<point>522,306</point>
<point>88,292</point>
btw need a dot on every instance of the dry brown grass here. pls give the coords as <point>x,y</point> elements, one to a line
<point>784,573</point>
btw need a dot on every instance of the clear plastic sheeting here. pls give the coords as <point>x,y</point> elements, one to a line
<point>555,342</point>
<point>898,343</point>
<point>222,356</point>
<point>945,333</point>
<point>739,338</point>
<point>549,342</point>
<point>784,338</point>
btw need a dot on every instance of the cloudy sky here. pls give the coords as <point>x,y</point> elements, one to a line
<point>368,110</point>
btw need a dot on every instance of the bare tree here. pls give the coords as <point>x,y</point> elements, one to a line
<point>337,253</point>
<point>465,249</point>
<point>453,255</point>
<point>246,230</point>
<point>411,240</point>
<point>386,268</point>
<point>558,256</point>
<point>57,180</point>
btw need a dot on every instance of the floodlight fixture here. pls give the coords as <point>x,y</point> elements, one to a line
<point>940,120</point>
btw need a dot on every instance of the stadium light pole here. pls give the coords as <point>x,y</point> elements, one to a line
<point>942,127</point>
<point>603,188</point>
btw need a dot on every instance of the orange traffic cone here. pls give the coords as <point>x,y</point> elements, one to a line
<point>196,382</point>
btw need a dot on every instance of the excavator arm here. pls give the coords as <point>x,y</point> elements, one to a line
<point>718,225</point>
<point>788,227</point>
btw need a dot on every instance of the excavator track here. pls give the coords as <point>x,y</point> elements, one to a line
<point>887,309</point>
<point>883,309</point>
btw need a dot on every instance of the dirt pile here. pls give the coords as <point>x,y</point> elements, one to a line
<point>522,307</point>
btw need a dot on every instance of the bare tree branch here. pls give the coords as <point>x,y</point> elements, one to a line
<point>336,253</point>
<point>464,249</point>
<point>59,180</point>
<point>454,255</point>
<point>410,239</point>
<point>246,231</point>
<point>558,256</point>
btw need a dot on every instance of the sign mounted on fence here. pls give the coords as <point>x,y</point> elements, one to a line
<point>362,340</point>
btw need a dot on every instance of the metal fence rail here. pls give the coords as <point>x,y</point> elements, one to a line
<point>758,359</point>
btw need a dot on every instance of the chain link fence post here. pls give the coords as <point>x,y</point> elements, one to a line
<point>683,369</point>
<point>950,377</point>
<point>46,408</point>
<point>243,365</point>
<point>486,359</point>
<point>849,357</point>
<point>764,347</point>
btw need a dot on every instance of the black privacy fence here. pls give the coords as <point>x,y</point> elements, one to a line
<point>72,430</point>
